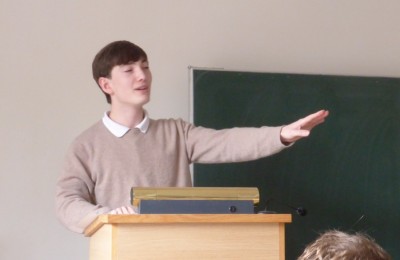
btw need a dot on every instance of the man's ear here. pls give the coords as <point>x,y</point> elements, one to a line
<point>104,84</point>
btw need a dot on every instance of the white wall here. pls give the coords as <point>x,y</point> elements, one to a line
<point>48,95</point>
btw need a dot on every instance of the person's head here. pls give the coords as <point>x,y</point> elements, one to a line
<point>114,56</point>
<point>337,245</point>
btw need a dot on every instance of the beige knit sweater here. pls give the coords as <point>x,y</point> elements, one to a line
<point>100,169</point>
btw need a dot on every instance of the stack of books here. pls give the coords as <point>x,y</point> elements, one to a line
<point>195,200</point>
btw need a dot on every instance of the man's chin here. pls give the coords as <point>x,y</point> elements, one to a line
<point>143,102</point>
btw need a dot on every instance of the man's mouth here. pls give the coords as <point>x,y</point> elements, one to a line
<point>141,88</point>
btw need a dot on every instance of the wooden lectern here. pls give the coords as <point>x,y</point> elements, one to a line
<point>188,236</point>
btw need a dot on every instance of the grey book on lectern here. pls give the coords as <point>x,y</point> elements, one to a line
<point>196,207</point>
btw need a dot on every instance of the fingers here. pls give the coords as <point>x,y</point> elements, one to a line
<point>131,210</point>
<point>316,117</point>
<point>302,127</point>
<point>125,210</point>
<point>313,120</point>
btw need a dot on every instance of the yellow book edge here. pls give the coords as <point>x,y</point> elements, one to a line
<point>194,193</point>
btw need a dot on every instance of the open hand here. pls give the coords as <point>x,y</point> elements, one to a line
<point>302,127</point>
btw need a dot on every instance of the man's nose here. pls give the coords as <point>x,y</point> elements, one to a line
<point>141,74</point>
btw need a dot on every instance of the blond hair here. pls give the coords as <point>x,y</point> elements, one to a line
<point>335,245</point>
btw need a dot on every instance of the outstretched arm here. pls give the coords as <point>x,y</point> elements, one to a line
<point>302,127</point>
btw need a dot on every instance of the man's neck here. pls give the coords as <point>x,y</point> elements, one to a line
<point>128,117</point>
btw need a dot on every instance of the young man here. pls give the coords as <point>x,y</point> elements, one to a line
<point>127,148</point>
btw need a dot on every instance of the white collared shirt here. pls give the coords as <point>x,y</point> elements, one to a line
<point>120,130</point>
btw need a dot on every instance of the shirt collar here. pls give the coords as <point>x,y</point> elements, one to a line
<point>120,130</point>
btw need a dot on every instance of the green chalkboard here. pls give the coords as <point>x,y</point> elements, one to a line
<point>346,174</point>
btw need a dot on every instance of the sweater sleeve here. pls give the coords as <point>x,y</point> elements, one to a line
<point>75,205</point>
<point>239,144</point>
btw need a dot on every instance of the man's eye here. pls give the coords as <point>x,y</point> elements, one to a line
<point>128,70</point>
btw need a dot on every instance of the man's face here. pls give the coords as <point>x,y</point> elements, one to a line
<point>129,84</point>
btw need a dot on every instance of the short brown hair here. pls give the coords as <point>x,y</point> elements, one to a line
<point>114,54</point>
<point>335,245</point>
